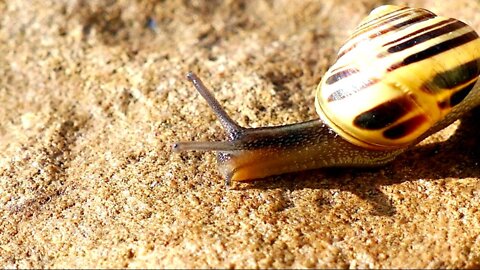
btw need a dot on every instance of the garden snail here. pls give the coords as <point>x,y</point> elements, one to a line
<point>404,74</point>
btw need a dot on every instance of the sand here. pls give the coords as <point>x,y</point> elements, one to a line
<point>93,94</point>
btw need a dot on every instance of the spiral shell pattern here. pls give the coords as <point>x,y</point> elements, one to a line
<point>401,71</point>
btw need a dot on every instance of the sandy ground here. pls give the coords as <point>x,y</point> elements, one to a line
<point>93,94</point>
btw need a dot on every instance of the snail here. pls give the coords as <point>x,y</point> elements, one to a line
<point>404,74</point>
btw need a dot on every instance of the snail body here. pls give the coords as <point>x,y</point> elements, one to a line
<point>404,74</point>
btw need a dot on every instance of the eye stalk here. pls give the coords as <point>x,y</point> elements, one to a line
<point>232,129</point>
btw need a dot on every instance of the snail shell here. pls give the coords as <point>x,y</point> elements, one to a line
<point>404,74</point>
<point>401,71</point>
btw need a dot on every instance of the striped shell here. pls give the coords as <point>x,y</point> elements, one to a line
<point>402,70</point>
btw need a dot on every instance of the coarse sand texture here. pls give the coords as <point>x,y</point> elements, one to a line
<point>93,94</point>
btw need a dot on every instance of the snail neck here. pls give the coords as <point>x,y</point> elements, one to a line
<point>263,152</point>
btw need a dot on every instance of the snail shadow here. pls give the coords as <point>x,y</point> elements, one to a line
<point>457,157</point>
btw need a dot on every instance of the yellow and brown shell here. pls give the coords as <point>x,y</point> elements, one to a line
<point>401,71</point>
